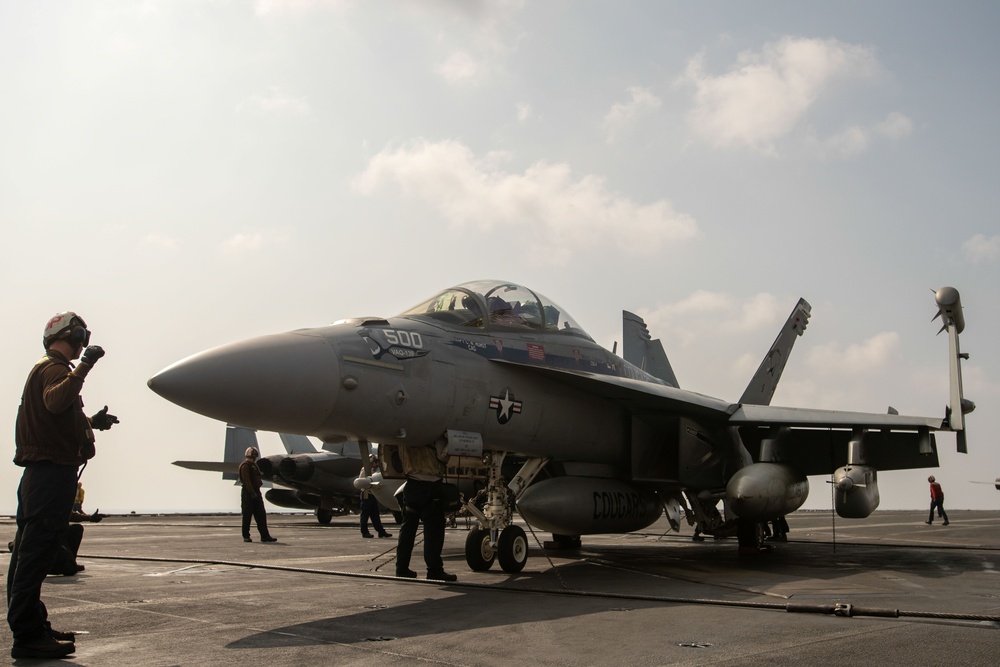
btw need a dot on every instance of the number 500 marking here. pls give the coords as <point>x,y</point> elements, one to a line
<point>404,338</point>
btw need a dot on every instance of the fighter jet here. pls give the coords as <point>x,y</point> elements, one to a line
<point>312,480</point>
<point>602,444</point>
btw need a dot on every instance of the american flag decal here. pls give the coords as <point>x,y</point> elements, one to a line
<point>536,352</point>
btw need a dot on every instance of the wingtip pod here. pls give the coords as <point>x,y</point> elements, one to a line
<point>800,316</point>
<point>953,321</point>
<point>949,304</point>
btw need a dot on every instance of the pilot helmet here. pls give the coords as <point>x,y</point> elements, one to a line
<point>931,478</point>
<point>252,453</point>
<point>66,325</point>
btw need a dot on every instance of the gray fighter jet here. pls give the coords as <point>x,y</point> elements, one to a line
<point>323,481</point>
<point>601,444</point>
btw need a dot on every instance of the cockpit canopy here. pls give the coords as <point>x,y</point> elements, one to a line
<point>491,304</point>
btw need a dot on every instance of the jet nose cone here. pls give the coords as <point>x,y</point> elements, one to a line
<point>286,382</point>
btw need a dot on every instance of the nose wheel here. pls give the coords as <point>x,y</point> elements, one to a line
<point>479,551</point>
<point>511,550</point>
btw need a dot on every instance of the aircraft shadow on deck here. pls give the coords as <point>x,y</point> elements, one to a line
<point>463,612</point>
<point>705,571</point>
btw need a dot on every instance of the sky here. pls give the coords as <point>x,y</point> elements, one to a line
<point>186,173</point>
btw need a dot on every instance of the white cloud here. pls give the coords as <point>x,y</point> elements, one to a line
<point>852,141</point>
<point>251,242</point>
<point>460,67</point>
<point>707,314</point>
<point>760,312</point>
<point>160,241</point>
<point>857,139</point>
<point>623,114</point>
<point>524,112</point>
<point>866,358</point>
<point>716,340</point>
<point>277,102</point>
<point>982,249</point>
<point>562,213</point>
<point>896,126</point>
<point>122,44</point>
<point>767,94</point>
<point>275,8</point>
<point>477,36</point>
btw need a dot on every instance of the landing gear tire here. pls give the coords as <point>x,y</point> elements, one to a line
<point>749,535</point>
<point>324,516</point>
<point>512,549</point>
<point>479,554</point>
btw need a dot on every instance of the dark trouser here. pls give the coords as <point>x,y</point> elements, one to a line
<point>44,500</point>
<point>422,502</point>
<point>369,510</point>
<point>939,503</point>
<point>69,546</point>
<point>253,506</point>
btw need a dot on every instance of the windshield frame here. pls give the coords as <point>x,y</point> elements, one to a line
<point>526,311</point>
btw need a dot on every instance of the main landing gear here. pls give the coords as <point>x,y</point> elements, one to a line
<point>496,538</point>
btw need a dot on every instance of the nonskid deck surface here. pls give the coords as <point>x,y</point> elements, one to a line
<point>186,590</point>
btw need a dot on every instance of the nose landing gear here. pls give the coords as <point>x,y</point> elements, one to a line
<point>496,538</point>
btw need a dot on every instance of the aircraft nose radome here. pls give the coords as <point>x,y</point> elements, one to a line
<point>285,382</point>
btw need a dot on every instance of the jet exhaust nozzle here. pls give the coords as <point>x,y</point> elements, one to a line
<point>297,468</point>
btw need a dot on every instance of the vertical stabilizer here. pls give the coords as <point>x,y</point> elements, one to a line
<point>297,444</point>
<point>238,439</point>
<point>765,380</point>
<point>640,350</point>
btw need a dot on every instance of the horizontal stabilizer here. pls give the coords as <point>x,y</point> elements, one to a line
<point>211,466</point>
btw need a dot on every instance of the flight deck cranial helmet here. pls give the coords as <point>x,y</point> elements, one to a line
<point>931,478</point>
<point>66,325</point>
<point>252,453</point>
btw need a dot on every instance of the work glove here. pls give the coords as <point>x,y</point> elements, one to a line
<point>102,421</point>
<point>92,354</point>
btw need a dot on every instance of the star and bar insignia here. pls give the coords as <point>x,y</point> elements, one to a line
<point>505,406</point>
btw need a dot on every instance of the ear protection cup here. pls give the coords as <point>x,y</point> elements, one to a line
<point>79,334</point>
<point>69,326</point>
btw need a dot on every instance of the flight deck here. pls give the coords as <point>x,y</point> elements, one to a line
<point>186,590</point>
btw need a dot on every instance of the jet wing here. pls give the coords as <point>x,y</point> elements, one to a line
<point>641,396</point>
<point>807,417</point>
<point>636,395</point>
<point>815,438</point>
<point>817,451</point>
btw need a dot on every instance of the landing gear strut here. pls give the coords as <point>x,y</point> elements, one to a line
<point>496,537</point>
